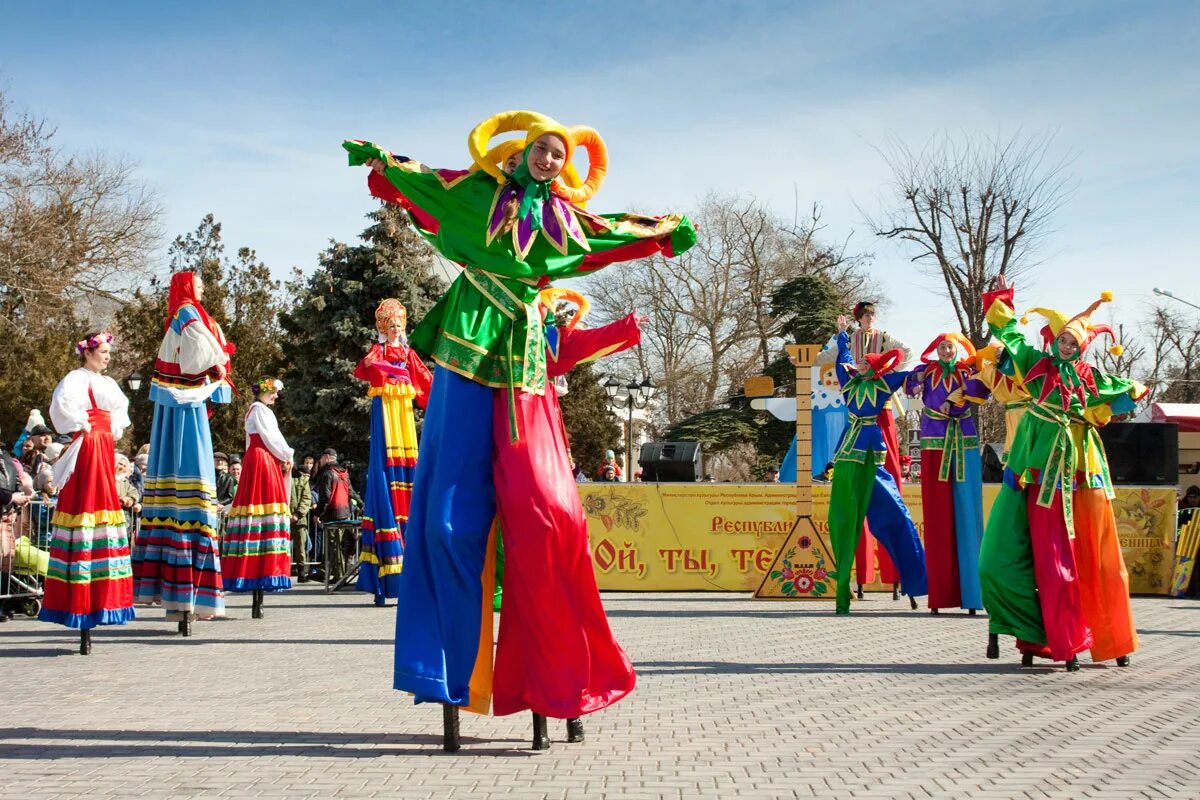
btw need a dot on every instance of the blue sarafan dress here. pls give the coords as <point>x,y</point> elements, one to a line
<point>175,555</point>
<point>397,377</point>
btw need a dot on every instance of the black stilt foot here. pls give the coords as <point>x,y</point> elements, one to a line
<point>1122,661</point>
<point>380,600</point>
<point>912,602</point>
<point>85,643</point>
<point>541,736</point>
<point>256,610</point>
<point>1073,664</point>
<point>859,594</point>
<point>450,740</point>
<point>185,625</point>
<point>993,648</point>
<point>934,611</point>
<point>895,591</point>
<point>574,730</point>
<point>970,612</point>
<point>1026,659</point>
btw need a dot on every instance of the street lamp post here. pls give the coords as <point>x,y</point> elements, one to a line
<point>636,396</point>
<point>1177,298</point>
<point>134,382</point>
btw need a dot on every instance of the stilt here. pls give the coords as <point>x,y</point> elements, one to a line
<point>185,624</point>
<point>860,592</point>
<point>541,736</point>
<point>1073,664</point>
<point>934,611</point>
<point>256,610</point>
<point>450,742</point>
<point>970,612</point>
<point>912,602</point>
<point>1026,658</point>
<point>380,600</point>
<point>85,643</point>
<point>895,591</point>
<point>993,648</point>
<point>575,730</point>
<point>1122,661</point>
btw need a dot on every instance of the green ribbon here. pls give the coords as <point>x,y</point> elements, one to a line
<point>1060,463</point>
<point>954,446</point>
<point>947,368</point>
<point>857,423</point>
<point>533,349</point>
<point>534,193</point>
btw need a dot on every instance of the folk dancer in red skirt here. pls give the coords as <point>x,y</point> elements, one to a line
<point>256,549</point>
<point>89,582</point>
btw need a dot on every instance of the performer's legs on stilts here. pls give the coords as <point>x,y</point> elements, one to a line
<point>1006,573</point>
<point>864,560</point>
<point>896,532</point>
<point>439,610</point>
<point>848,500</point>
<point>1057,580</point>
<point>968,529</point>
<point>1103,580</point>
<point>888,571</point>
<point>937,506</point>
<point>541,733</point>
<point>85,642</point>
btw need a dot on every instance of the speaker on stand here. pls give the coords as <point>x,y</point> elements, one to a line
<point>671,462</point>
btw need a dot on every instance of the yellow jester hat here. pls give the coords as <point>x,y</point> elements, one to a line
<point>1079,326</point>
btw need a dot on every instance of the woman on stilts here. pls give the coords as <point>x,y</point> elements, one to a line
<point>1028,571</point>
<point>951,471</point>
<point>491,448</point>
<point>89,582</point>
<point>175,556</point>
<point>866,338</point>
<point>256,547</point>
<point>397,378</point>
<point>863,488</point>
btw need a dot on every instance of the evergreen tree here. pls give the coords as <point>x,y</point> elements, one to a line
<point>331,324</point>
<point>591,429</point>
<point>240,295</point>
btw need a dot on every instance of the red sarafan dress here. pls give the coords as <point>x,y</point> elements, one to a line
<point>90,581</point>
<point>257,546</point>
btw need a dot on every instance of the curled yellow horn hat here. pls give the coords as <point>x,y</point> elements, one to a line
<point>1078,326</point>
<point>531,122</point>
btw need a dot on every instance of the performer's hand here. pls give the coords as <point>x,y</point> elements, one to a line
<point>87,427</point>
<point>287,467</point>
<point>20,499</point>
<point>376,165</point>
<point>1001,282</point>
<point>944,408</point>
<point>841,323</point>
<point>640,320</point>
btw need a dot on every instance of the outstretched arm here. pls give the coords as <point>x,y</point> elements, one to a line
<point>1002,320</point>
<point>588,344</point>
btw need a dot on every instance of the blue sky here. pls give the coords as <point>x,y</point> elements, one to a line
<point>239,109</point>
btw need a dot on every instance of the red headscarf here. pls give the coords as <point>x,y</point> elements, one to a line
<point>183,293</point>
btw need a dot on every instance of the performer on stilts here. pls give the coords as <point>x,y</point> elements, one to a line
<point>869,339</point>
<point>89,581</point>
<point>256,548</point>
<point>397,377</point>
<point>1031,584</point>
<point>951,471</point>
<point>492,444</point>
<point>175,556</point>
<point>863,489</point>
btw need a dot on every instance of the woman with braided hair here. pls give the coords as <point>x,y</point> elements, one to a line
<point>492,447</point>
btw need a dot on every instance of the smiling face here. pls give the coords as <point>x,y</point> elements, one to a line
<point>395,330</point>
<point>268,398</point>
<point>97,360</point>
<point>547,157</point>
<point>1067,346</point>
<point>946,351</point>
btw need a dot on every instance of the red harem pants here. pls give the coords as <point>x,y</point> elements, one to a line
<point>1057,580</point>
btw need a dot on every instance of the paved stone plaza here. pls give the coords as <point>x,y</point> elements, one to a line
<point>735,697</point>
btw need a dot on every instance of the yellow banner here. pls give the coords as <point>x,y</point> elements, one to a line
<point>722,537</point>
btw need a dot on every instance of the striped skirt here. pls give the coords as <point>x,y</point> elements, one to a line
<point>390,466</point>
<point>89,581</point>
<point>175,557</point>
<point>256,550</point>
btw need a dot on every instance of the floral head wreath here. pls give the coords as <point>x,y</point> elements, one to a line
<point>92,342</point>
<point>268,385</point>
<point>570,186</point>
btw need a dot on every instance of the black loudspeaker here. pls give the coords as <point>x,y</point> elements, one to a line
<point>677,462</point>
<point>1142,453</point>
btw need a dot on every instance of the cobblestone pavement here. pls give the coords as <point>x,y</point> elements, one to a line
<point>735,697</point>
